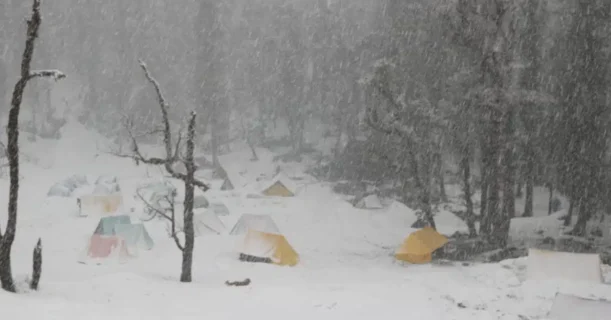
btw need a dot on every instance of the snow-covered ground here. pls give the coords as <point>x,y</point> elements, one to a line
<point>346,269</point>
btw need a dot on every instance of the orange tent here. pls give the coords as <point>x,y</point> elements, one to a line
<point>419,246</point>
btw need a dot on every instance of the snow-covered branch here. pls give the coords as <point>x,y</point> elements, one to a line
<point>172,151</point>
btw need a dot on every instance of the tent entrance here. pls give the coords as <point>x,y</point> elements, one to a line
<point>250,258</point>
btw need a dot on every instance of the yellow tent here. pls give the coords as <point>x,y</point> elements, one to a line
<point>419,246</point>
<point>278,189</point>
<point>269,247</point>
<point>280,186</point>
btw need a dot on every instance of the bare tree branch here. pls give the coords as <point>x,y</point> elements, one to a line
<point>160,212</point>
<point>171,155</point>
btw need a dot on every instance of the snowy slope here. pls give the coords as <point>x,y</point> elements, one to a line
<point>346,269</point>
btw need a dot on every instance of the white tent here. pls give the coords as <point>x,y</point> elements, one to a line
<point>219,208</point>
<point>544,264</point>
<point>66,187</point>
<point>370,202</point>
<point>568,307</point>
<point>205,222</point>
<point>258,222</point>
<point>208,223</point>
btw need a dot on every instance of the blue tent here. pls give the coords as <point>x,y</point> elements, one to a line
<point>135,235</point>
<point>107,225</point>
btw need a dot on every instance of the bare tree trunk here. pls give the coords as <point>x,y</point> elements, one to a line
<point>519,188</point>
<point>466,175</point>
<point>550,188</point>
<point>484,228</point>
<point>509,200</point>
<point>187,252</point>
<point>569,214</point>
<point>12,150</point>
<point>441,177</point>
<point>528,204</point>
<point>171,156</point>
<point>493,218</point>
<point>424,185</point>
<point>36,265</point>
<point>6,274</point>
<point>586,211</point>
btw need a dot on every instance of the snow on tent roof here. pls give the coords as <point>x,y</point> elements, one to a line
<point>568,307</point>
<point>549,265</point>
<point>370,202</point>
<point>258,222</point>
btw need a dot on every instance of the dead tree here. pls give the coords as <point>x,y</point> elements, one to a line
<point>12,148</point>
<point>172,156</point>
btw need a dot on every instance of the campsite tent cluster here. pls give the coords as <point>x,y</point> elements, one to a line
<point>117,237</point>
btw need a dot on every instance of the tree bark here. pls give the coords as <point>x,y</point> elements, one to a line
<point>466,175</point>
<point>6,274</point>
<point>550,188</point>
<point>569,214</point>
<point>519,189</point>
<point>494,218</point>
<point>443,196</point>
<point>509,200</point>
<point>423,184</point>
<point>528,200</point>
<point>36,265</point>
<point>187,253</point>
<point>484,227</point>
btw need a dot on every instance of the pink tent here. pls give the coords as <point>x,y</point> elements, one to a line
<point>103,246</point>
